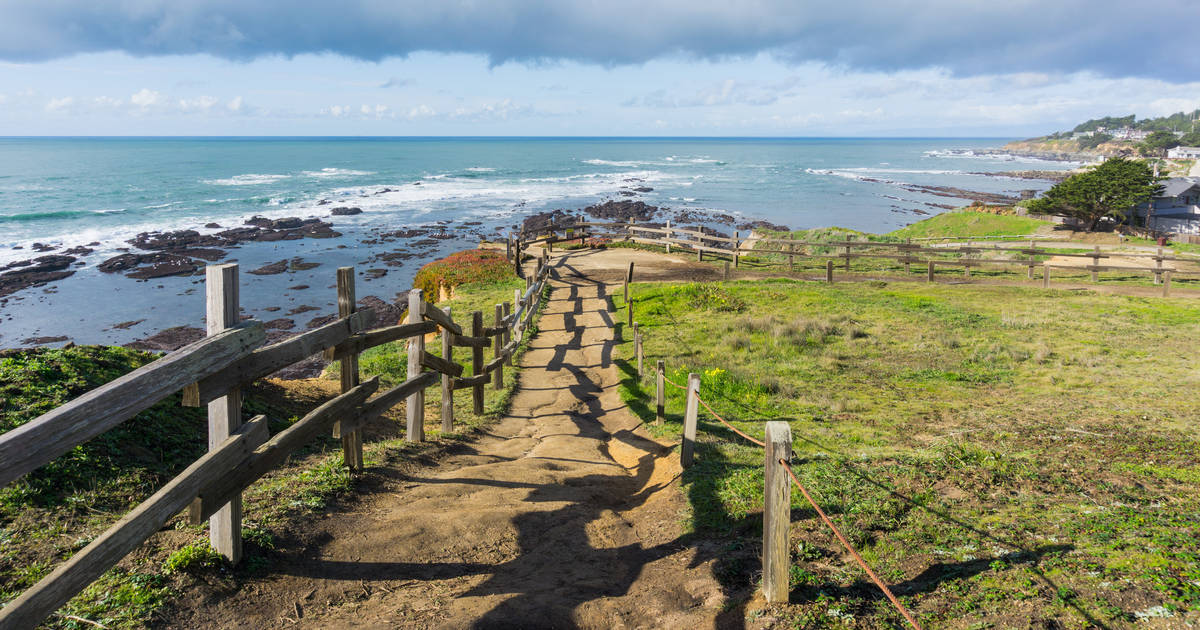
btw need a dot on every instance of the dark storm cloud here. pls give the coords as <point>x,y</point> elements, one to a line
<point>969,37</point>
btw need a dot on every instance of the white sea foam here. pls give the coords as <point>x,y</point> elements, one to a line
<point>336,172</point>
<point>623,164</point>
<point>995,157</point>
<point>481,169</point>
<point>249,179</point>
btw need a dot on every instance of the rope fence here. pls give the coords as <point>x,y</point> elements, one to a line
<point>776,494</point>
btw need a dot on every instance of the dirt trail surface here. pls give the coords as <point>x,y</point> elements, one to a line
<point>566,514</point>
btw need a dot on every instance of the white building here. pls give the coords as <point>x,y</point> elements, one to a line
<point>1184,153</point>
<point>1175,209</point>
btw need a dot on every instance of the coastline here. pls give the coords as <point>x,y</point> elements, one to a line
<point>289,227</point>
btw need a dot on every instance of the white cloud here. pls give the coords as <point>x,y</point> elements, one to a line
<point>235,104</point>
<point>146,98</point>
<point>421,111</point>
<point>198,104</point>
<point>60,104</point>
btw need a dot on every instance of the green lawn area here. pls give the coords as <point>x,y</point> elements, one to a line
<point>1002,456</point>
<point>966,223</point>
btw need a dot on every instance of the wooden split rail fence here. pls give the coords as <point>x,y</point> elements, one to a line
<point>906,253</point>
<point>212,372</point>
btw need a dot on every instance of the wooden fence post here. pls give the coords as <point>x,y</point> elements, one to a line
<point>511,326</point>
<point>1167,284</point>
<point>726,277</point>
<point>668,236</point>
<point>517,258</point>
<point>1158,265</point>
<point>1096,263</point>
<point>737,247</point>
<point>637,348</point>
<point>477,361</point>
<point>791,252</point>
<point>225,413</point>
<point>352,453</point>
<point>415,406</point>
<point>929,274</point>
<point>967,268</point>
<point>847,258</point>
<point>660,400</point>
<point>1046,275</point>
<point>447,380</point>
<point>688,447</point>
<point>777,512</point>
<point>628,304</point>
<point>829,271</point>
<point>497,346</point>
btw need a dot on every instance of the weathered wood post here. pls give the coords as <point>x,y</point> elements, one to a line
<point>1167,284</point>
<point>637,348</point>
<point>497,348</point>
<point>348,367</point>
<point>1046,275</point>
<point>777,512</point>
<point>1158,264</point>
<point>225,413</point>
<point>447,380</point>
<point>508,248</point>
<point>967,268</point>
<point>628,303</point>
<point>929,273</point>
<point>509,327</point>
<point>415,405</point>
<point>687,448</point>
<point>1096,263</point>
<point>477,361</point>
<point>1032,262</point>
<point>847,257</point>
<point>660,395</point>
<point>791,252</point>
<point>829,271</point>
<point>517,258</point>
<point>668,236</point>
<point>726,276</point>
<point>737,247</point>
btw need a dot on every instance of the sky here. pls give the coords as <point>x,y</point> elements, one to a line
<point>1016,68</point>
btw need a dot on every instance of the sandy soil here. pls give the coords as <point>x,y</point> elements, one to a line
<point>566,514</point>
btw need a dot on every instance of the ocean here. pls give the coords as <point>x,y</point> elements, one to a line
<point>100,192</point>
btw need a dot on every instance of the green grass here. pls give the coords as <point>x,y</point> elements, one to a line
<point>1001,455</point>
<point>966,223</point>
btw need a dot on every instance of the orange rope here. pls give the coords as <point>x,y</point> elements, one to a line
<point>845,543</point>
<point>731,427</point>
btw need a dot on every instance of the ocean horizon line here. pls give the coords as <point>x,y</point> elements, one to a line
<point>495,137</point>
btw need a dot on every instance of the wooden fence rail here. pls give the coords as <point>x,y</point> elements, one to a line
<point>212,371</point>
<point>966,257</point>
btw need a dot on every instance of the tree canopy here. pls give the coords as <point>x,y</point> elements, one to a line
<point>1190,139</point>
<point>1157,143</point>
<point>1109,191</point>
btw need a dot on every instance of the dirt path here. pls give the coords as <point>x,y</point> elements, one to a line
<point>565,515</point>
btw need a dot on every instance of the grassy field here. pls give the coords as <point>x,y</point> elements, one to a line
<point>1002,456</point>
<point>58,509</point>
<point>970,224</point>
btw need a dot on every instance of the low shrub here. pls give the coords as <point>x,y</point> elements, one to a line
<point>472,265</point>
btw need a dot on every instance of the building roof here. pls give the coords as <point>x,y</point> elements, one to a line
<point>1177,186</point>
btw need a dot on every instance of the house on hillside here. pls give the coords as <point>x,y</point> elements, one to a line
<point>1176,209</point>
<point>1184,153</point>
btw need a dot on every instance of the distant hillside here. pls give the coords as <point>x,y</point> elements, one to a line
<point>1114,135</point>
